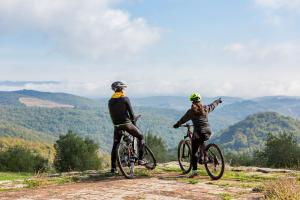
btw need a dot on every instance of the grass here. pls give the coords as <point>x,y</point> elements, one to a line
<point>11,176</point>
<point>282,189</point>
<point>247,177</point>
<point>226,196</point>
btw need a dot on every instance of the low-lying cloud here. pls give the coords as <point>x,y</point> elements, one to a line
<point>220,88</point>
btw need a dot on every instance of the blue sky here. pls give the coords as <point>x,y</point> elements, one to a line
<point>160,47</point>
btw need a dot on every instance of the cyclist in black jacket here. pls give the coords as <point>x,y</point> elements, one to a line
<point>123,118</point>
<point>202,131</point>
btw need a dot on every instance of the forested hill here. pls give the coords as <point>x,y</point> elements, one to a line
<point>232,109</point>
<point>13,99</point>
<point>252,132</point>
<point>46,114</point>
<point>32,114</point>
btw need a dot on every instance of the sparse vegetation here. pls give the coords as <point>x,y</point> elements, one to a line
<point>285,188</point>
<point>226,196</point>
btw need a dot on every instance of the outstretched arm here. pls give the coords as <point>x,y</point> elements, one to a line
<point>186,117</point>
<point>213,105</point>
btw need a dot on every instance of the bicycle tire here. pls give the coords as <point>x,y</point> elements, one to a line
<point>119,162</point>
<point>211,175</point>
<point>146,151</point>
<point>182,144</point>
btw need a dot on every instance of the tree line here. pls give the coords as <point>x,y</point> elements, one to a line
<point>74,153</point>
<point>279,151</point>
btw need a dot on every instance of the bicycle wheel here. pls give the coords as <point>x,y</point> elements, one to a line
<point>184,156</point>
<point>149,158</point>
<point>215,165</point>
<point>123,160</point>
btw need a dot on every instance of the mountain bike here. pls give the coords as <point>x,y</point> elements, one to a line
<point>127,156</point>
<point>214,165</point>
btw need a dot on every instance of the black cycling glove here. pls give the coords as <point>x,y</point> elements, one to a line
<point>176,125</point>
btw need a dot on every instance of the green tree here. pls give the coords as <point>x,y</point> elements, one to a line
<point>280,151</point>
<point>76,153</point>
<point>21,159</point>
<point>157,146</point>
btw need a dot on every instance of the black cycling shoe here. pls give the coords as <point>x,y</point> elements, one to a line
<point>113,172</point>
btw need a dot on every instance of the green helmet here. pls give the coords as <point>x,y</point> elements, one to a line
<point>195,97</point>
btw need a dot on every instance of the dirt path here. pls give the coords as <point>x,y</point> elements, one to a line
<point>160,187</point>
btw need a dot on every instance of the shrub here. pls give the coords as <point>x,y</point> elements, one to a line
<point>239,159</point>
<point>21,159</point>
<point>76,153</point>
<point>280,151</point>
<point>158,147</point>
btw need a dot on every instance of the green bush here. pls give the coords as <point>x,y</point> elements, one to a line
<point>76,153</point>
<point>239,159</point>
<point>21,159</point>
<point>280,151</point>
<point>158,147</point>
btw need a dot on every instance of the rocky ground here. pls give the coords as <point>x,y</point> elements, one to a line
<point>163,183</point>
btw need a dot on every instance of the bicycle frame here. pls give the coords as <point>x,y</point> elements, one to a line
<point>189,135</point>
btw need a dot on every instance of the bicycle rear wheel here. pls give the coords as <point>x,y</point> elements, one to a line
<point>123,160</point>
<point>184,156</point>
<point>149,158</point>
<point>215,165</point>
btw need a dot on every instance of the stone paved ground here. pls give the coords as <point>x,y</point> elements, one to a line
<point>161,187</point>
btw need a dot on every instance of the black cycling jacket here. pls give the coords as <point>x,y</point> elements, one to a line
<point>200,122</point>
<point>120,110</point>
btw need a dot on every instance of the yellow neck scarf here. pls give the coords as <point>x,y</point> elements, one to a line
<point>118,95</point>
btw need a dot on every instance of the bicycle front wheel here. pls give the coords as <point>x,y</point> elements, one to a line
<point>215,165</point>
<point>184,156</point>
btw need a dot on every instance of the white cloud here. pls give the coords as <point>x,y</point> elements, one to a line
<point>257,52</point>
<point>90,28</point>
<point>277,11</point>
<point>279,4</point>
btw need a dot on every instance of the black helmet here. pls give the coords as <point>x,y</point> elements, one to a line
<point>118,85</point>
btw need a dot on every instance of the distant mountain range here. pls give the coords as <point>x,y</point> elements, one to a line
<point>232,109</point>
<point>251,133</point>
<point>90,117</point>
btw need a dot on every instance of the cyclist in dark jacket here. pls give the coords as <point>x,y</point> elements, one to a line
<point>202,131</point>
<point>123,119</point>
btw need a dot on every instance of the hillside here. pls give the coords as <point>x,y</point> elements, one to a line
<point>88,118</point>
<point>232,109</point>
<point>179,103</point>
<point>237,111</point>
<point>43,148</point>
<point>251,132</point>
<point>13,99</point>
<point>10,130</point>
